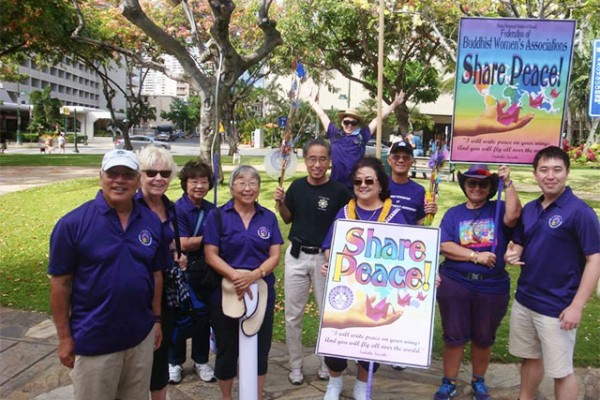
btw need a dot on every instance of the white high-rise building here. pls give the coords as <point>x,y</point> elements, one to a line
<point>158,84</point>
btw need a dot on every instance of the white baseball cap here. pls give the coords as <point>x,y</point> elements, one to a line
<point>119,157</point>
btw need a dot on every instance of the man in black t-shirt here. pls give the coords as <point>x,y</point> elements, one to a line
<point>310,204</point>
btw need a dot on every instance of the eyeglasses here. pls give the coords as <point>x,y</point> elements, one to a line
<point>127,175</point>
<point>151,173</point>
<point>403,157</point>
<point>366,181</point>
<point>194,182</point>
<point>482,184</point>
<point>314,160</point>
<point>242,185</point>
<point>350,122</point>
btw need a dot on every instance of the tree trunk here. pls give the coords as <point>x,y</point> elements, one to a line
<point>590,139</point>
<point>403,118</point>
<point>231,133</point>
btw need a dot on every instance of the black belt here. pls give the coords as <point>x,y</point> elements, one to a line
<point>297,248</point>
<point>310,249</point>
<point>479,277</point>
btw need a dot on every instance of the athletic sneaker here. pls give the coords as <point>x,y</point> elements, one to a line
<point>175,372</point>
<point>446,391</point>
<point>398,367</point>
<point>480,390</point>
<point>205,372</point>
<point>296,377</point>
<point>323,373</point>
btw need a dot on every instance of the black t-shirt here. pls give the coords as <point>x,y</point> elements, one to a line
<point>313,209</point>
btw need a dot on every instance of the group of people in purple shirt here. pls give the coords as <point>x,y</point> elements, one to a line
<point>114,320</point>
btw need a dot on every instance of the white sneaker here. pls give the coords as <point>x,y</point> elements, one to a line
<point>296,377</point>
<point>323,373</point>
<point>360,390</point>
<point>398,367</point>
<point>175,372</point>
<point>205,372</point>
<point>334,388</point>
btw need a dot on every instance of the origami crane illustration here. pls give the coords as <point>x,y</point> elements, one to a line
<point>510,115</point>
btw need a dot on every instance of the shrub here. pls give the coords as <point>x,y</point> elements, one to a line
<point>581,155</point>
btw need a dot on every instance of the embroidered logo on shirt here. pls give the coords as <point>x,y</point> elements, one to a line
<point>323,203</point>
<point>264,232</point>
<point>555,221</point>
<point>145,237</point>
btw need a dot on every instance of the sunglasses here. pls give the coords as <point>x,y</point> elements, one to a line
<point>350,122</point>
<point>403,157</point>
<point>151,173</point>
<point>127,175</point>
<point>367,181</point>
<point>482,184</point>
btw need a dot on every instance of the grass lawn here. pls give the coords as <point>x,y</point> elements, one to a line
<point>27,218</point>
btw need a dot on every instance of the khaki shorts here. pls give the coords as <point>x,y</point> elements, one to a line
<point>121,375</point>
<point>536,336</point>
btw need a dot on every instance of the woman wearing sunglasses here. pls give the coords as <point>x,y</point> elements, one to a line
<point>474,291</point>
<point>371,202</point>
<point>348,143</point>
<point>157,167</point>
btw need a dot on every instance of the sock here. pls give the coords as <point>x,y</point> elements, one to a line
<point>477,378</point>
<point>337,381</point>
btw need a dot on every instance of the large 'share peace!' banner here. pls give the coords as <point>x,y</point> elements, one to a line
<point>512,79</point>
<point>380,293</point>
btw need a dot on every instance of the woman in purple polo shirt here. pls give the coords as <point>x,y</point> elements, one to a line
<point>242,235</point>
<point>192,210</point>
<point>474,291</point>
<point>371,202</point>
<point>348,143</point>
<point>158,167</point>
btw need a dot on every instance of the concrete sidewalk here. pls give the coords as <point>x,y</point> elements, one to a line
<point>30,369</point>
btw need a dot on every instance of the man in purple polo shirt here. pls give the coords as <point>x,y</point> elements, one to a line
<point>406,193</point>
<point>557,246</point>
<point>106,260</point>
<point>348,143</point>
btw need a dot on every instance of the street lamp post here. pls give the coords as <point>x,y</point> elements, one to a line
<point>19,138</point>
<point>76,150</point>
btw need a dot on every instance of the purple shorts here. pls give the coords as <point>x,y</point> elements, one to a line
<point>469,315</point>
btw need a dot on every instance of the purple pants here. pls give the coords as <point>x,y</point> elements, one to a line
<point>469,315</point>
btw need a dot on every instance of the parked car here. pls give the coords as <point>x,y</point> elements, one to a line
<point>371,149</point>
<point>163,137</point>
<point>140,141</point>
<point>165,133</point>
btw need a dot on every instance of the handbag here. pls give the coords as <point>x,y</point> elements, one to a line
<point>189,310</point>
<point>201,275</point>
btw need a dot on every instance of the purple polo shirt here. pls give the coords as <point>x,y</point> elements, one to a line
<point>410,197</point>
<point>243,248</point>
<point>364,215</point>
<point>346,151</point>
<point>475,230</point>
<point>112,268</point>
<point>167,226</point>
<point>556,242</point>
<point>187,216</point>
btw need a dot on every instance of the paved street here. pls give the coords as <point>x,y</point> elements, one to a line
<point>29,369</point>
